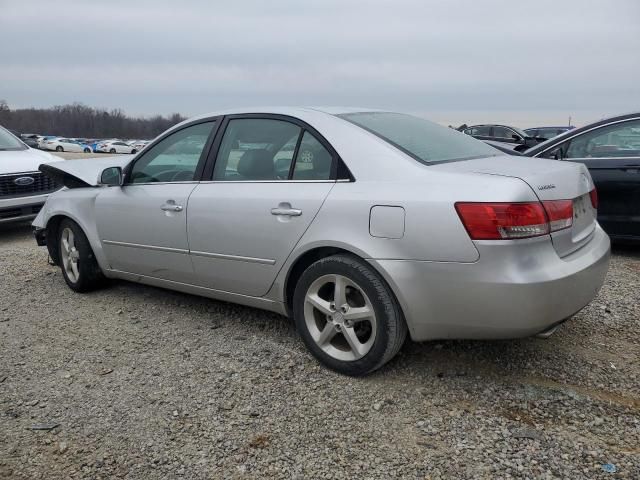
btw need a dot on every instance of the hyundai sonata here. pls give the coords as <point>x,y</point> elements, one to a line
<point>364,226</point>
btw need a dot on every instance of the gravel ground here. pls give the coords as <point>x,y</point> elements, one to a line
<point>145,383</point>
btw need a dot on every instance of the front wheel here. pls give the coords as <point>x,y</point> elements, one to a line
<point>59,149</point>
<point>134,151</point>
<point>87,150</point>
<point>113,150</point>
<point>347,316</point>
<point>77,261</point>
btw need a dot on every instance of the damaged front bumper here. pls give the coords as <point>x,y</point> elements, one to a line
<point>40,235</point>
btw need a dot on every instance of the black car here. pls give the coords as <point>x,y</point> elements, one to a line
<point>546,133</point>
<point>30,139</point>
<point>518,140</point>
<point>610,149</point>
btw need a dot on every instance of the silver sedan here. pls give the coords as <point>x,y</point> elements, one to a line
<point>363,226</point>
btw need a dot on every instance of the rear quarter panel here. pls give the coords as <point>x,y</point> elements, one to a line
<point>433,231</point>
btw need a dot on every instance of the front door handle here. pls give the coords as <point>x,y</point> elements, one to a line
<point>286,210</point>
<point>169,207</point>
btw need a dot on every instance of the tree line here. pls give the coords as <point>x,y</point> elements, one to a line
<point>80,121</point>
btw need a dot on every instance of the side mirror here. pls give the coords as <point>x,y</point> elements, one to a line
<point>111,177</point>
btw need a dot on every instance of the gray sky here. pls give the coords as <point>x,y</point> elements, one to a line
<point>517,62</point>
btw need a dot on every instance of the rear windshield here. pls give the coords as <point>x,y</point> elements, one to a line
<point>425,141</point>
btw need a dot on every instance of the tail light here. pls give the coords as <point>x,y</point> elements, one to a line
<point>560,213</point>
<point>506,221</point>
<point>593,194</point>
<point>503,221</point>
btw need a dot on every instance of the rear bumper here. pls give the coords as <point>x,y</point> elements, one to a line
<point>515,289</point>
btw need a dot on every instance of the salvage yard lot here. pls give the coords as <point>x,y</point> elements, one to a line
<point>145,383</point>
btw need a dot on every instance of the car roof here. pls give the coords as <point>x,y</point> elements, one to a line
<point>285,110</point>
<point>490,125</point>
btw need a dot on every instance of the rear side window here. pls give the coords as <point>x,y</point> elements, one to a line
<point>313,161</point>
<point>618,140</point>
<point>425,141</point>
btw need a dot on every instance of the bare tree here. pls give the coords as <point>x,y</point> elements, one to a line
<point>78,120</point>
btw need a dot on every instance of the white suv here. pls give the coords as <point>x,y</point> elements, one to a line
<point>23,189</point>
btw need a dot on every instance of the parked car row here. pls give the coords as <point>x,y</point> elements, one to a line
<point>81,145</point>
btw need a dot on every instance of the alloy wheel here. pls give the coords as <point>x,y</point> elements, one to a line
<point>70,255</point>
<point>340,317</point>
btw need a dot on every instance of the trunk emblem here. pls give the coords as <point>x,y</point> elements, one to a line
<point>24,181</point>
<point>546,187</point>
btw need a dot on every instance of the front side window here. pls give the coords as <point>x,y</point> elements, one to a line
<point>504,133</point>
<point>9,142</point>
<point>425,141</point>
<point>256,149</point>
<point>479,131</point>
<point>173,159</point>
<point>618,140</point>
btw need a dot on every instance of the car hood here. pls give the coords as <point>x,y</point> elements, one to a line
<point>25,160</point>
<point>85,172</point>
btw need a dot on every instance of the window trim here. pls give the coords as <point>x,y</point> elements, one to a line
<point>207,174</point>
<point>197,176</point>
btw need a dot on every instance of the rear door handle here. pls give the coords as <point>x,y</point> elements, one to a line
<point>169,207</point>
<point>285,209</point>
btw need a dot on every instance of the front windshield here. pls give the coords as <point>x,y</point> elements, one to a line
<point>423,140</point>
<point>9,142</point>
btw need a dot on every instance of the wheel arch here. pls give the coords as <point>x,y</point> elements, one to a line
<point>72,205</point>
<point>307,257</point>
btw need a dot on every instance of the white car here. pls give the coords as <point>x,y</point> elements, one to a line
<point>139,145</point>
<point>117,146</point>
<point>23,189</point>
<point>65,145</point>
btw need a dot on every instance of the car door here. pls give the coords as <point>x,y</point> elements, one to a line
<point>268,182</point>
<point>143,224</point>
<point>612,154</point>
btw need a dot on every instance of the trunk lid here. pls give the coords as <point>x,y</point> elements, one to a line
<point>549,180</point>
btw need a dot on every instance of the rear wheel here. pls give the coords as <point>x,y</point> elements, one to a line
<point>87,150</point>
<point>59,149</point>
<point>77,261</point>
<point>347,316</point>
<point>134,151</point>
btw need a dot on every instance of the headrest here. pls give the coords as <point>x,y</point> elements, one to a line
<point>256,165</point>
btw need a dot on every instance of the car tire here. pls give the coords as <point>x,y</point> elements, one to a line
<point>77,261</point>
<point>328,334</point>
<point>134,151</point>
<point>59,149</point>
<point>87,150</point>
<point>113,150</point>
